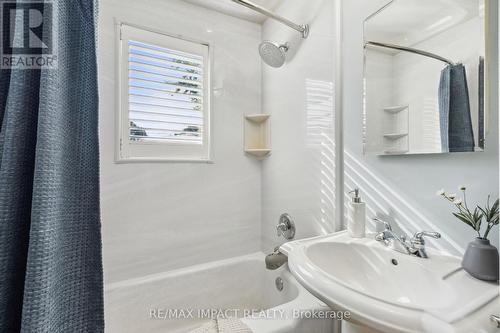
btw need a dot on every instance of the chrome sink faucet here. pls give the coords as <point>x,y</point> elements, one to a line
<point>414,247</point>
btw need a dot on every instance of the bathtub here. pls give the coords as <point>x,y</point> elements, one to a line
<point>180,300</point>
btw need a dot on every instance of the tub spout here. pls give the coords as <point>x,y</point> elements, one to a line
<point>275,260</point>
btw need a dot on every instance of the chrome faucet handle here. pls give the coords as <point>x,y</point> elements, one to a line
<point>280,228</point>
<point>432,234</point>
<point>495,321</point>
<point>385,235</point>
<point>418,238</point>
<point>285,227</point>
<point>386,224</point>
<point>418,242</point>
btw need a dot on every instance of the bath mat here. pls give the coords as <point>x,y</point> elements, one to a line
<point>220,325</point>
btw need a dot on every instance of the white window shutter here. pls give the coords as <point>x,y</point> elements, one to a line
<point>165,104</point>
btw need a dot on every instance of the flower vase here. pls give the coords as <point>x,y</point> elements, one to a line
<point>481,260</point>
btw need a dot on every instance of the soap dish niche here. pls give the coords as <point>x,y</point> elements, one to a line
<point>257,137</point>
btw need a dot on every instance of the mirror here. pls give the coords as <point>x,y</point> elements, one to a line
<point>424,79</point>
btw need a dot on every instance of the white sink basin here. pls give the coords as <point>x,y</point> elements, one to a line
<point>390,291</point>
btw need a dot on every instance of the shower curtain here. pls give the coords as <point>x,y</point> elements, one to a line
<point>50,242</point>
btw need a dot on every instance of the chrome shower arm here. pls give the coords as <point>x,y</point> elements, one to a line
<point>303,28</point>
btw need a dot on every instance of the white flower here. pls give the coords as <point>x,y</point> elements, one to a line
<point>440,192</point>
<point>452,196</point>
<point>462,188</point>
<point>457,201</point>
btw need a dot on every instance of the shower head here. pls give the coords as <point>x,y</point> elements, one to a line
<point>273,53</point>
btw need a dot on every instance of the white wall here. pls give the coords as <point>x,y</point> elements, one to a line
<point>299,177</point>
<point>404,186</point>
<point>162,216</point>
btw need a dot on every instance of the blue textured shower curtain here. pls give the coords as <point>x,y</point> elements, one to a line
<point>50,242</point>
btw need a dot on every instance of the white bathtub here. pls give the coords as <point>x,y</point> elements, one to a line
<point>240,285</point>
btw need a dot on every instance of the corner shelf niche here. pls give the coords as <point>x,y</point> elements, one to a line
<point>396,109</point>
<point>395,152</point>
<point>396,133</point>
<point>257,137</point>
<point>395,136</point>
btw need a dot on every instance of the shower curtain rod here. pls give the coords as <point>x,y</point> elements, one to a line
<point>411,50</point>
<point>302,28</point>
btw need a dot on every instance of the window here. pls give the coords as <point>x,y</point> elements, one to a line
<point>164,111</point>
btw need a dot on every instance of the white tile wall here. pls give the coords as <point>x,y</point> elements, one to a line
<point>299,177</point>
<point>379,87</point>
<point>161,216</point>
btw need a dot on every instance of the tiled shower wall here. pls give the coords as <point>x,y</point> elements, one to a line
<point>162,216</point>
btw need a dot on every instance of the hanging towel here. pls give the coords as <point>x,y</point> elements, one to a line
<point>454,110</point>
<point>481,104</point>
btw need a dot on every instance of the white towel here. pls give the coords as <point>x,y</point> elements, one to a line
<point>222,325</point>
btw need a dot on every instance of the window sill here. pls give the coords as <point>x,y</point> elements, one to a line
<point>162,160</point>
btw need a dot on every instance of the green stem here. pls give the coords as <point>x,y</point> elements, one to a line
<point>490,226</point>
<point>465,211</point>
<point>458,206</point>
<point>461,209</point>
<point>465,200</point>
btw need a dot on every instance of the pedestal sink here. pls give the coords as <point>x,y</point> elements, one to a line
<point>388,291</point>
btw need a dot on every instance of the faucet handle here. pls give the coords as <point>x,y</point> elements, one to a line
<point>418,239</point>
<point>285,227</point>
<point>386,224</point>
<point>420,235</point>
<point>281,228</point>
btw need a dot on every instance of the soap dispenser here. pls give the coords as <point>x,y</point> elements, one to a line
<point>356,216</point>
